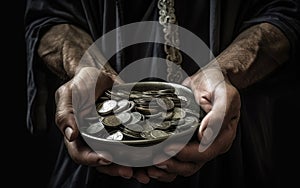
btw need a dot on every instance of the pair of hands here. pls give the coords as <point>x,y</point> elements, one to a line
<point>214,93</point>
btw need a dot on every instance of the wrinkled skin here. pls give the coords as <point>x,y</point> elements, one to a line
<point>221,101</point>
<point>214,88</point>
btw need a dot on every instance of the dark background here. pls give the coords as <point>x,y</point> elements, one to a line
<point>28,159</point>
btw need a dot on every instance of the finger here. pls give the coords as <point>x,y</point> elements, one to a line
<point>160,174</point>
<point>185,169</point>
<point>211,124</point>
<point>81,154</point>
<point>64,116</point>
<point>203,98</point>
<point>141,176</point>
<point>116,170</point>
<point>188,153</point>
<point>104,82</point>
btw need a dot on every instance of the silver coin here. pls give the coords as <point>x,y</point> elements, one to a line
<point>147,127</point>
<point>167,115</point>
<point>165,103</point>
<point>164,125</point>
<point>118,136</point>
<point>131,107</point>
<point>124,117</point>
<point>146,135</point>
<point>123,105</point>
<point>107,107</point>
<point>95,128</point>
<point>136,117</point>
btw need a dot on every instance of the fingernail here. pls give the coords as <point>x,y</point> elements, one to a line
<point>104,162</point>
<point>207,136</point>
<point>208,133</point>
<point>68,133</point>
<point>154,177</point>
<point>104,158</point>
<point>126,176</point>
<point>162,166</point>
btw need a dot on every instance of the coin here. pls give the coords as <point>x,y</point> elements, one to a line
<point>123,104</point>
<point>115,136</point>
<point>131,134</point>
<point>107,107</point>
<point>124,117</point>
<point>146,111</point>
<point>165,103</point>
<point>151,113</point>
<point>111,121</point>
<point>95,128</point>
<point>179,113</point>
<point>135,128</point>
<point>131,106</point>
<point>167,115</point>
<point>164,125</point>
<point>136,117</point>
<point>158,134</point>
<point>147,127</point>
<point>146,135</point>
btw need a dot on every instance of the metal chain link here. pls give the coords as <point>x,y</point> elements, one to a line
<point>167,19</point>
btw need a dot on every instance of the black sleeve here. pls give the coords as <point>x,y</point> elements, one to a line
<point>284,14</point>
<point>39,16</point>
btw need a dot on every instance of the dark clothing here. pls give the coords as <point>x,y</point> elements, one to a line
<point>249,161</point>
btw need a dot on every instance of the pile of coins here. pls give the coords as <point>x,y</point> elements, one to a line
<point>141,115</point>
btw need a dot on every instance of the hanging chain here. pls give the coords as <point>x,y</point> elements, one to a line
<point>167,19</point>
